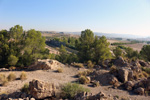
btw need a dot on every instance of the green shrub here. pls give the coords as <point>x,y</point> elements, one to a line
<point>84,80</point>
<point>69,90</point>
<point>90,64</point>
<point>23,76</point>
<point>25,88</point>
<point>118,52</point>
<point>11,77</point>
<point>12,60</point>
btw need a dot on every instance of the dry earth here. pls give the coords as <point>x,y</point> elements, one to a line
<point>68,75</point>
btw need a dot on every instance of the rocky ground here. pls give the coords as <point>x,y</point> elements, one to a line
<point>69,74</point>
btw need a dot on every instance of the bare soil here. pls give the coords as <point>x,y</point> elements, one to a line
<point>68,75</point>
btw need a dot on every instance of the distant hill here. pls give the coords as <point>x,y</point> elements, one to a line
<point>108,35</point>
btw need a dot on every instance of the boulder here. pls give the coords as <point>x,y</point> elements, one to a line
<point>120,62</point>
<point>129,85</point>
<point>41,90</point>
<point>139,90</point>
<point>45,65</point>
<point>100,96</point>
<point>123,74</point>
<point>113,80</point>
<point>82,96</point>
<point>130,75</point>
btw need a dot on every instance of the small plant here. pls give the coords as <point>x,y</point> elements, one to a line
<point>96,84</point>
<point>2,78</point>
<point>5,82</point>
<point>90,64</point>
<point>84,80</point>
<point>79,65</point>
<point>84,73</point>
<point>69,90</point>
<point>116,96</point>
<point>25,88</point>
<point>23,76</point>
<point>11,77</point>
<point>59,70</point>
<point>113,69</point>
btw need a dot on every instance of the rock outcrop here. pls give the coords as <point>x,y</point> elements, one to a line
<point>45,65</point>
<point>120,62</point>
<point>123,74</point>
<point>41,90</point>
<point>139,90</point>
<point>129,85</point>
<point>89,96</point>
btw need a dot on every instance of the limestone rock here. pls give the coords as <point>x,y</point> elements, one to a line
<point>41,90</point>
<point>139,90</point>
<point>130,75</point>
<point>123,74</point>
<point>120,62</point>
<point>113,80</point>
<point>45,65</point>
<point>129,85</point>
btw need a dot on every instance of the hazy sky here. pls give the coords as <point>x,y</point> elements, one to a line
<point>107,16</point>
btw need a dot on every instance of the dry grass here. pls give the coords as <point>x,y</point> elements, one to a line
<point>90,64</point>
<point>2,78</point>
<point>5,82</point>
<point>96,83</point>
<point>113,69</point>
<point>79,65</point>
<point>23,76</point>
<point>84,80</point>
<point>84,73</point>
<point>25,88</point>
<point>11,77</point>
<point>59,70</point>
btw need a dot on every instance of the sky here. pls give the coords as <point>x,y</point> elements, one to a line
<point>106,16</point>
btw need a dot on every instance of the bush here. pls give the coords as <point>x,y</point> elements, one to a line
<point>96,84</point>
<point>23,76</point>
<point>59,70</point>
<point>117,51</point>
<point>84,73</point>
<point>25,88</point>
<point>90,64</point>
<point>79,65</point>
<point>69,90</point>
<point>5,82</point>
<point>84,80</point>
<point>11,77</point>
<point>12,60</point>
